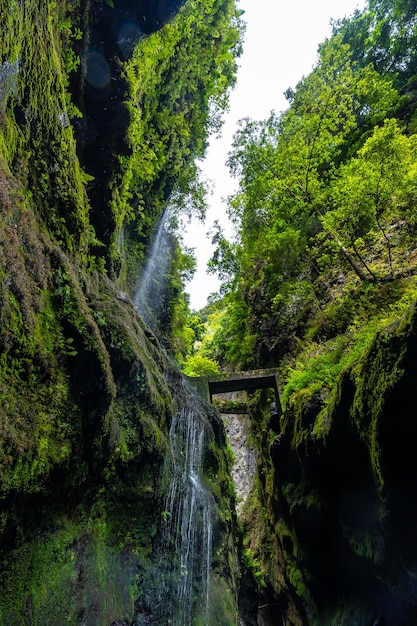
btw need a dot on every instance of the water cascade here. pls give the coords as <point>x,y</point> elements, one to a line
<point>151,295</point>
<point>186,544</point>
<point>179,592</point>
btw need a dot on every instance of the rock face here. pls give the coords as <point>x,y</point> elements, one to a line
<point>87,393</point>
<point>237,428</point>
<point>80,533</point>
<point>340,492</point>
<point>238,433</point>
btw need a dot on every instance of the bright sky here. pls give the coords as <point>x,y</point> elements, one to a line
<point>280,47</point>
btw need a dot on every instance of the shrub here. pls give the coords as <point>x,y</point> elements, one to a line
<point>197,365</point>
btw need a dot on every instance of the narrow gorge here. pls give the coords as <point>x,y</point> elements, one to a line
<point>131,492</point>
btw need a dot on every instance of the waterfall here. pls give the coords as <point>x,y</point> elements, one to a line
<point>187,536</point>
<point>151,296</point>
<point>178,592</point>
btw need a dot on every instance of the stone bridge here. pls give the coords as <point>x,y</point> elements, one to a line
<point>209,386</point>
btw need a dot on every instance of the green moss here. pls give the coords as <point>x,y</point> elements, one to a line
<point>188,70</point>
<point>70,574</point>
<point>375,375</point>
<point>222,605</point>
<point>36,138</point>
<point>230,406</point>
<point>319,364</point>
<point>36,574</point>
<point>86,392</point>
<point>367,546</point>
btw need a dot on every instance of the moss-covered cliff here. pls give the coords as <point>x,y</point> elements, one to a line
<point>87,392</point>
<point>337,486</point>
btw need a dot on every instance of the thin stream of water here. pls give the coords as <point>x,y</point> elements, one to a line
<point>189,518</point>
<point>150,297</point>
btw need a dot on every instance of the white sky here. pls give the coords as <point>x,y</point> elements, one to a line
<point>280,47</point>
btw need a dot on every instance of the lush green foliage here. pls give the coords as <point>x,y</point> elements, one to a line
<point>84,400</point>
<point>325,208</point>
<point>198,365</point>
<point>36,138</point>
<point>178,80</point>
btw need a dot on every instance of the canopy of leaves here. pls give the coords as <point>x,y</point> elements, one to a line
<point>326,194</point>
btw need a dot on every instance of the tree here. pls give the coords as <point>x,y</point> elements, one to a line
<point>285,166</point>
<point>198,365</point>
<point>385,35</point>
<point>374,191</point>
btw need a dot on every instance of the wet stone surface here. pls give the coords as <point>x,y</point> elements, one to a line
<point>243,471</point>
